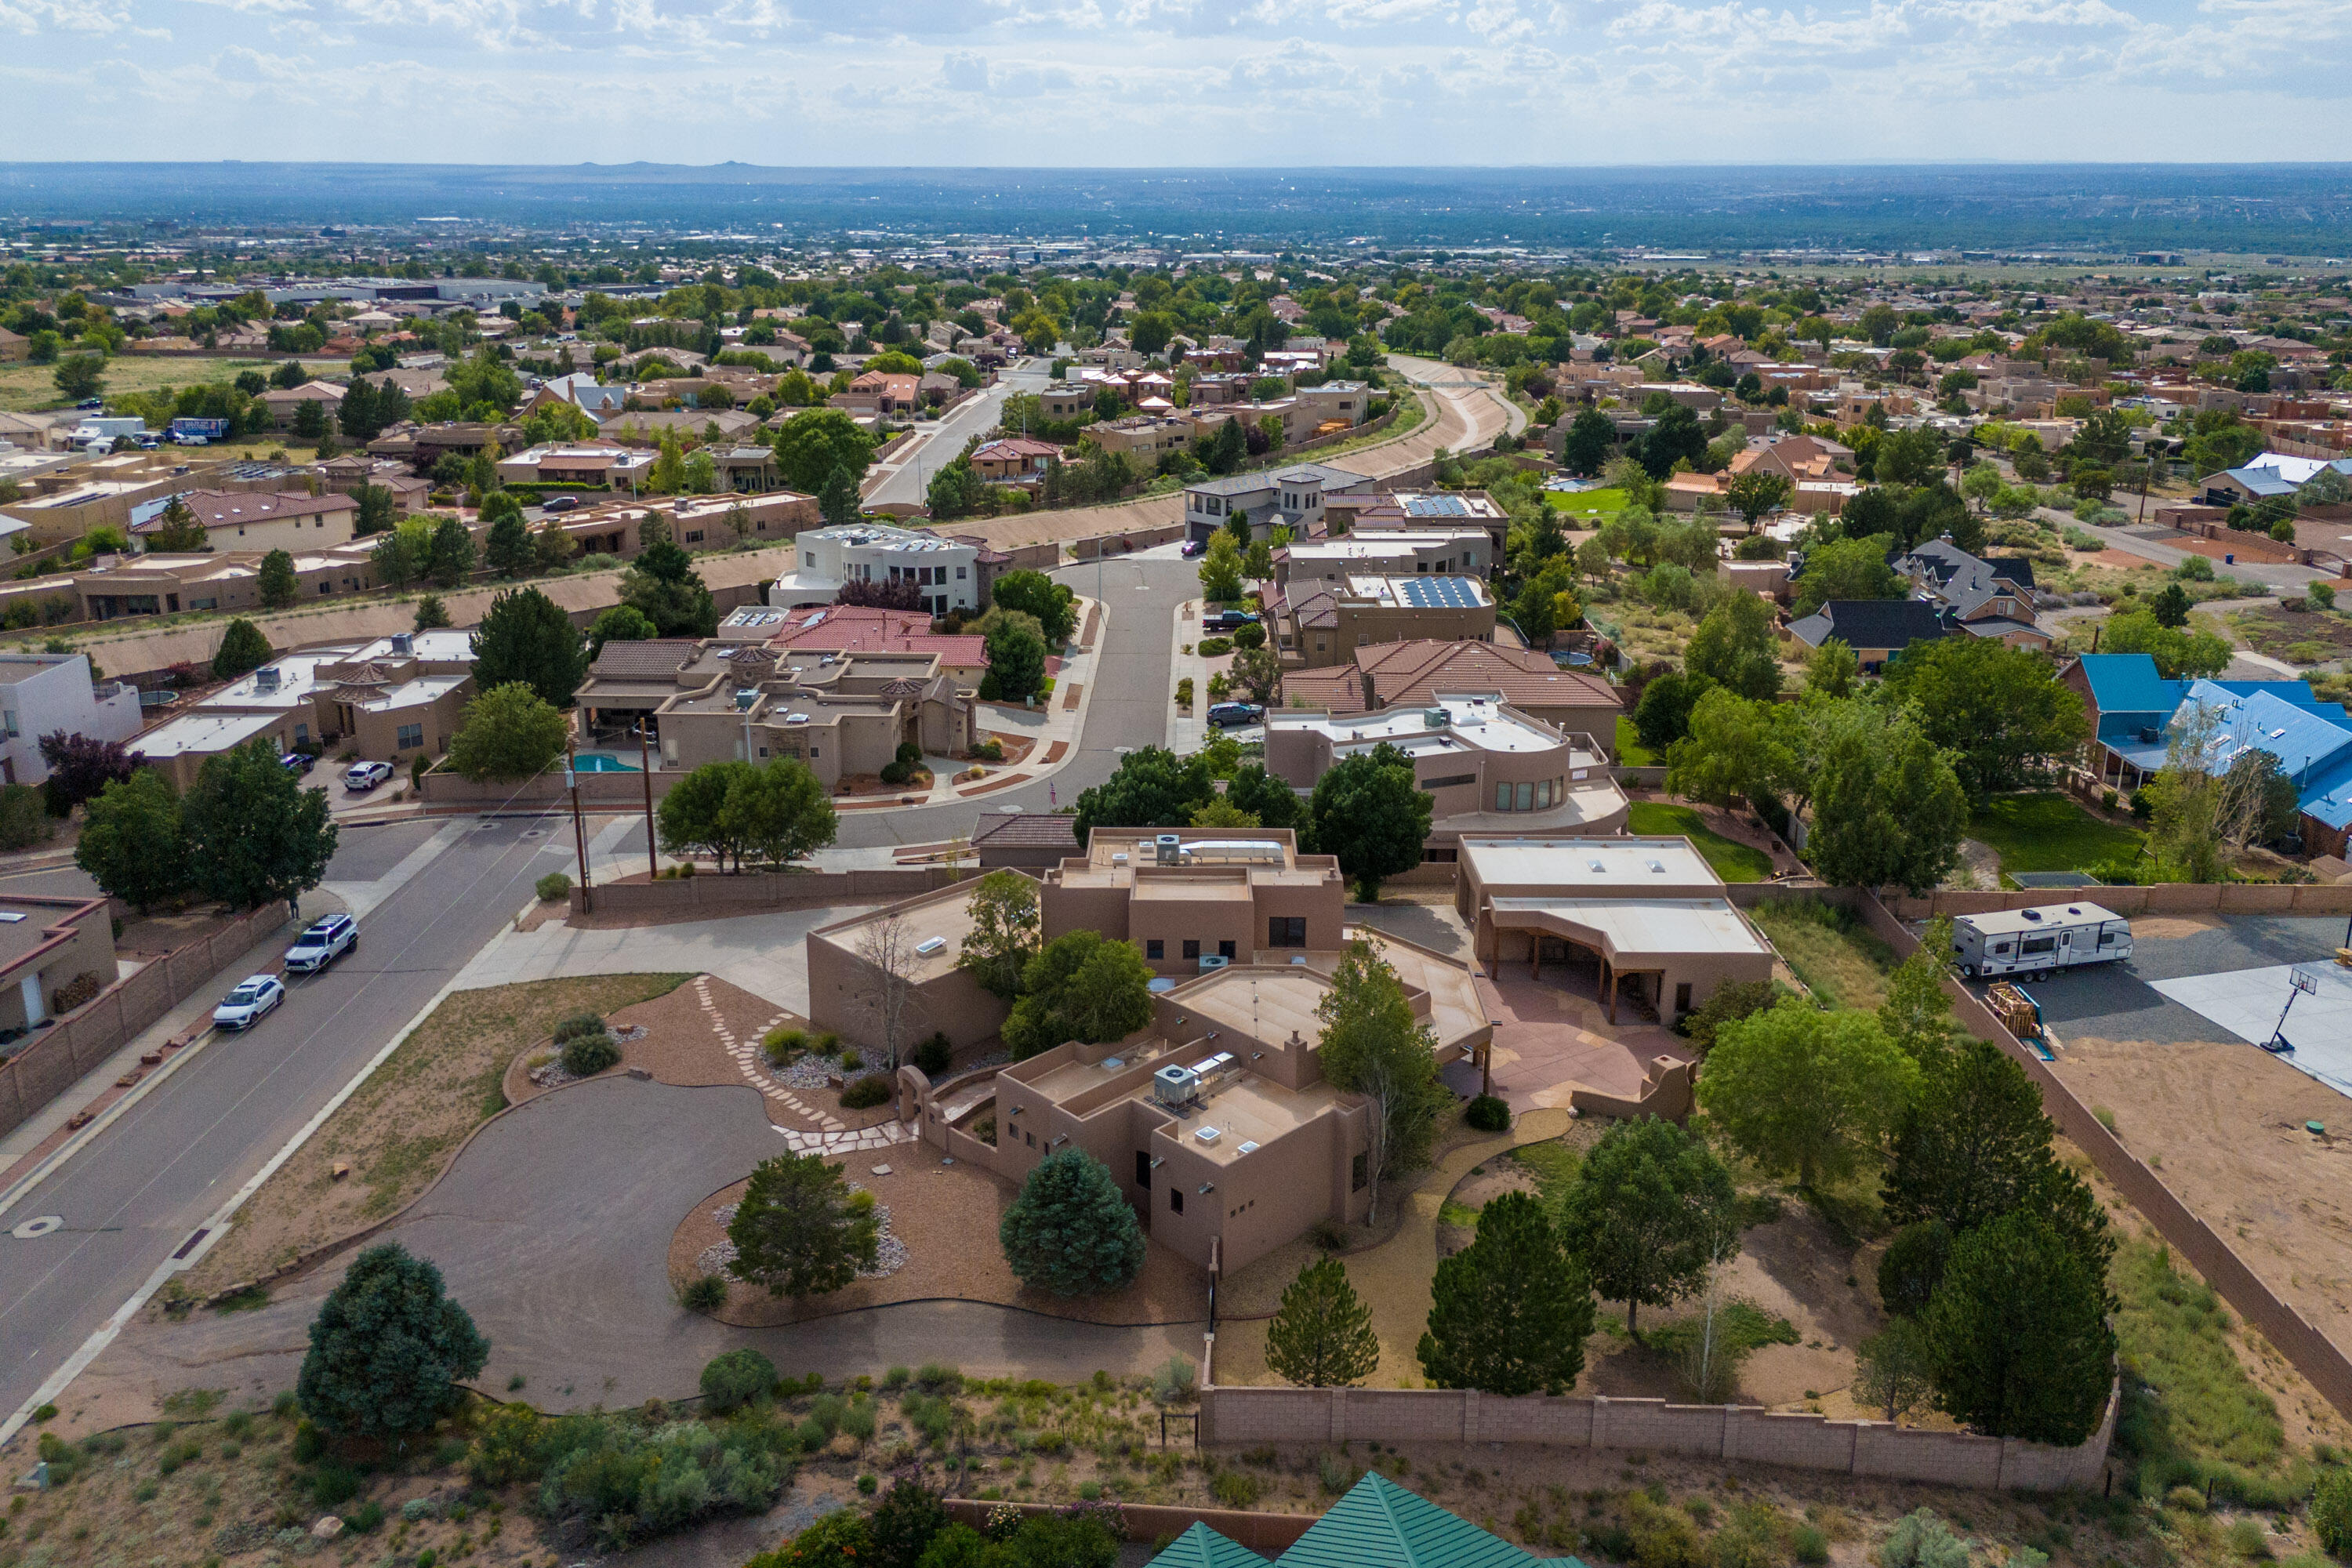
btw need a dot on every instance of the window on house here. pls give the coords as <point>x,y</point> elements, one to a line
<point>1502,797</point>
<point>1285,930</point>
<point>410,737</point>
<point>959,574</point>
<point>1033,1139</point>
<point>1526,797</point>
<point>1681,998</point>
<point>1225,950</point>
<point>1191,947</point>
<point>1358,1172</point>
<point>1175,1200</point>
<point>326,587</point>
<point>1155,948</point>
<point>1143,1167</point>
<point>694,536</point>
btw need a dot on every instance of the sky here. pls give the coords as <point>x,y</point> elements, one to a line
<point>1096,83</point>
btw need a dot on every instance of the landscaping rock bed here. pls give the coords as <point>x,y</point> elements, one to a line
<point>890,1253</point>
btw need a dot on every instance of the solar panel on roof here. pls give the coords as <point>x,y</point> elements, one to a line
<point>1436,506</point>
<point>1439,593</point>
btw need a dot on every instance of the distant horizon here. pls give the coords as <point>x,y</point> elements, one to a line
<point>2230,208</point>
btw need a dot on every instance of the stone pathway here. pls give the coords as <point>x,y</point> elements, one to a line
<point>830,1137</point>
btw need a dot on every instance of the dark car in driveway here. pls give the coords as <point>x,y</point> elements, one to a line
<point>1193,547</point>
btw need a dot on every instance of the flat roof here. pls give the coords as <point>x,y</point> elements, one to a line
<point>26,925</point>
<point>946,915</point>
<point>2042,916</point>
<point>1476,723</point>
<point>204,733</point>
<point>1598,865</point>
<point>1244,1109</point>
<point>1635,926</point>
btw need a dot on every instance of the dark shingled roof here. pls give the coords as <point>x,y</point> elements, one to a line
<point>1025,829</point>
<point>1889,624</point>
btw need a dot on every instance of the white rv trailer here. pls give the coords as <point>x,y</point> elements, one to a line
<point>2041,941</point>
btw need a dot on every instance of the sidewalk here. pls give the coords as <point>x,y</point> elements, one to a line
<point>1188,732</point>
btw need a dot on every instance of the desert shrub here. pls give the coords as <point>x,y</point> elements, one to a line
<point>365,1518</point>
<point>577,1024</point>
<point>333,1486</point>
<point>1662,1537</point>
<point>1250,635</point>
<point>782,1044</point>
<point>1175,1383</point>
<point>936,1377</point>
<point>1236,1488</point>
<point>1213,648</point>
<point>737,1377</point>
<point>2331,1511</point>
<point>1811,1546</point>
<point>934,1055</point>
<point>706,1294</point>
<point>553,885</point>
<point>1920,1539</point>
<point>584,1056</point>
<point>863,1093</point>
<point>24,817</point>
<point>1486,1113</point>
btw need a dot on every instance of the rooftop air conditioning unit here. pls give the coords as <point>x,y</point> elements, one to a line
<point>1437,718</point>
<point>266,679</point>
<point>1170,849</point>
<point>744,697</point>
<point>1174,1085</point>
<point>403,642</point>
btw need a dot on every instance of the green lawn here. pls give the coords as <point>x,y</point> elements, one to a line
<point>2049,832</point>
<point>1733,862</point>
<point>1595,504</point>
<point>1629,749</point>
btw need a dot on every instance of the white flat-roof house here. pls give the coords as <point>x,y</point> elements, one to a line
<point>944,571</point>
<point>43,693</point>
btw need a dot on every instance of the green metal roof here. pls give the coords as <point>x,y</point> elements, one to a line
<point>1200,1547</point>
<point>1379,1524</point>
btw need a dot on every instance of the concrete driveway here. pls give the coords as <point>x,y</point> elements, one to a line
<point>763,953</point>
<point>553,1229</point>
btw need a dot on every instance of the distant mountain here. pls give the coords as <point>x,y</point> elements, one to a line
<point>2303,209</point>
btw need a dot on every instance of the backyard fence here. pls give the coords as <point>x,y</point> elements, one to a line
<point>86,1037</point>
<point>749,891</point>
<point>1735,1432</point>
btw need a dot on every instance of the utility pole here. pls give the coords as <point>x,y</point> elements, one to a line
<point>645,766</point>
<point>579,826</point>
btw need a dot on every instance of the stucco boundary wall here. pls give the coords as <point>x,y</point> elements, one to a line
<point>2313,1353</point>
<point>1124,540</point>
<point>769,890</point>
<point>2162,899</point>
<point>1738,1434</point>
<point>75,1043</point>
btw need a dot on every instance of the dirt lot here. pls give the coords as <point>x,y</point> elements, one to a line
<point>2299,636</point>
<point>405,1124</point>
<point>2223,1124</point>
<point>32,386</point>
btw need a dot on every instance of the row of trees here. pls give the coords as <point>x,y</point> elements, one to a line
<point>248,831</point>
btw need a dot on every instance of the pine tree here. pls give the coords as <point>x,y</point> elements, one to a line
<point>799,1230</point>
<point>1511,1312</point>
<point>275,580</point>
<point>388,1350</point>
<point>1071,1230</point>
<point>177,530</point>
<point>2018,1335</point>
<point>431,613</point>
<point>1321,1335</point>
<point>838,499</point>
<point>527,637</point>
<point>506,546</point>
<point>243,649</point>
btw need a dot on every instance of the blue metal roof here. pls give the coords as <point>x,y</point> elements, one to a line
<point>2128,683</point>
<point>2314,748</point>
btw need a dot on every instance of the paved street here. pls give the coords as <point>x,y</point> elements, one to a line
<point>136,1192</point>
<point>906,477</point>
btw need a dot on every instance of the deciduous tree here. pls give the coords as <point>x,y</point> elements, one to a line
<point>510,733</point>
<point>1796,1088</point>
<point>1004,932</point>
<point>1369,811</point>
<point>1736,647</point>
<point>1151,788</point>
<point>1373,1045</point>
<point>132,841</point>
<point>1082,986</point>
<point>2000,712</point>
<point>254,833</point>
<point>1651,1211</point>
<point>525,636</point>
<point>80,766</point>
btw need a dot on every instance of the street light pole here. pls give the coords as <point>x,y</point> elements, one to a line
<point>645,766</point>
<point>579,826</point>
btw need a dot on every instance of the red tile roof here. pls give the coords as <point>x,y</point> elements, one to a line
<point>862,628</point>
<point>1402,673</point>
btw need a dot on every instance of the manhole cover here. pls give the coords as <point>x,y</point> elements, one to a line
<point>40,1226</point>
<point>536,833</point>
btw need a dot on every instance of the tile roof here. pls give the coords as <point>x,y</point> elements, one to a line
<point>636,660</point>
<point>1200,1547</point>
<point>1338,691</point>
<point>227,508</point>
<point>1407,672</point>
<point>865,629</point>
<point>1025,829</point>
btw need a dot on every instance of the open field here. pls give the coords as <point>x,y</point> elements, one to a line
<point>406,1123</point>
<point>2299,636</point>
<point>1589,505</point>
<point>1733,862</point>
<point>26,387</point>
<point>1842,964</point>
<point>2049,832</point>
